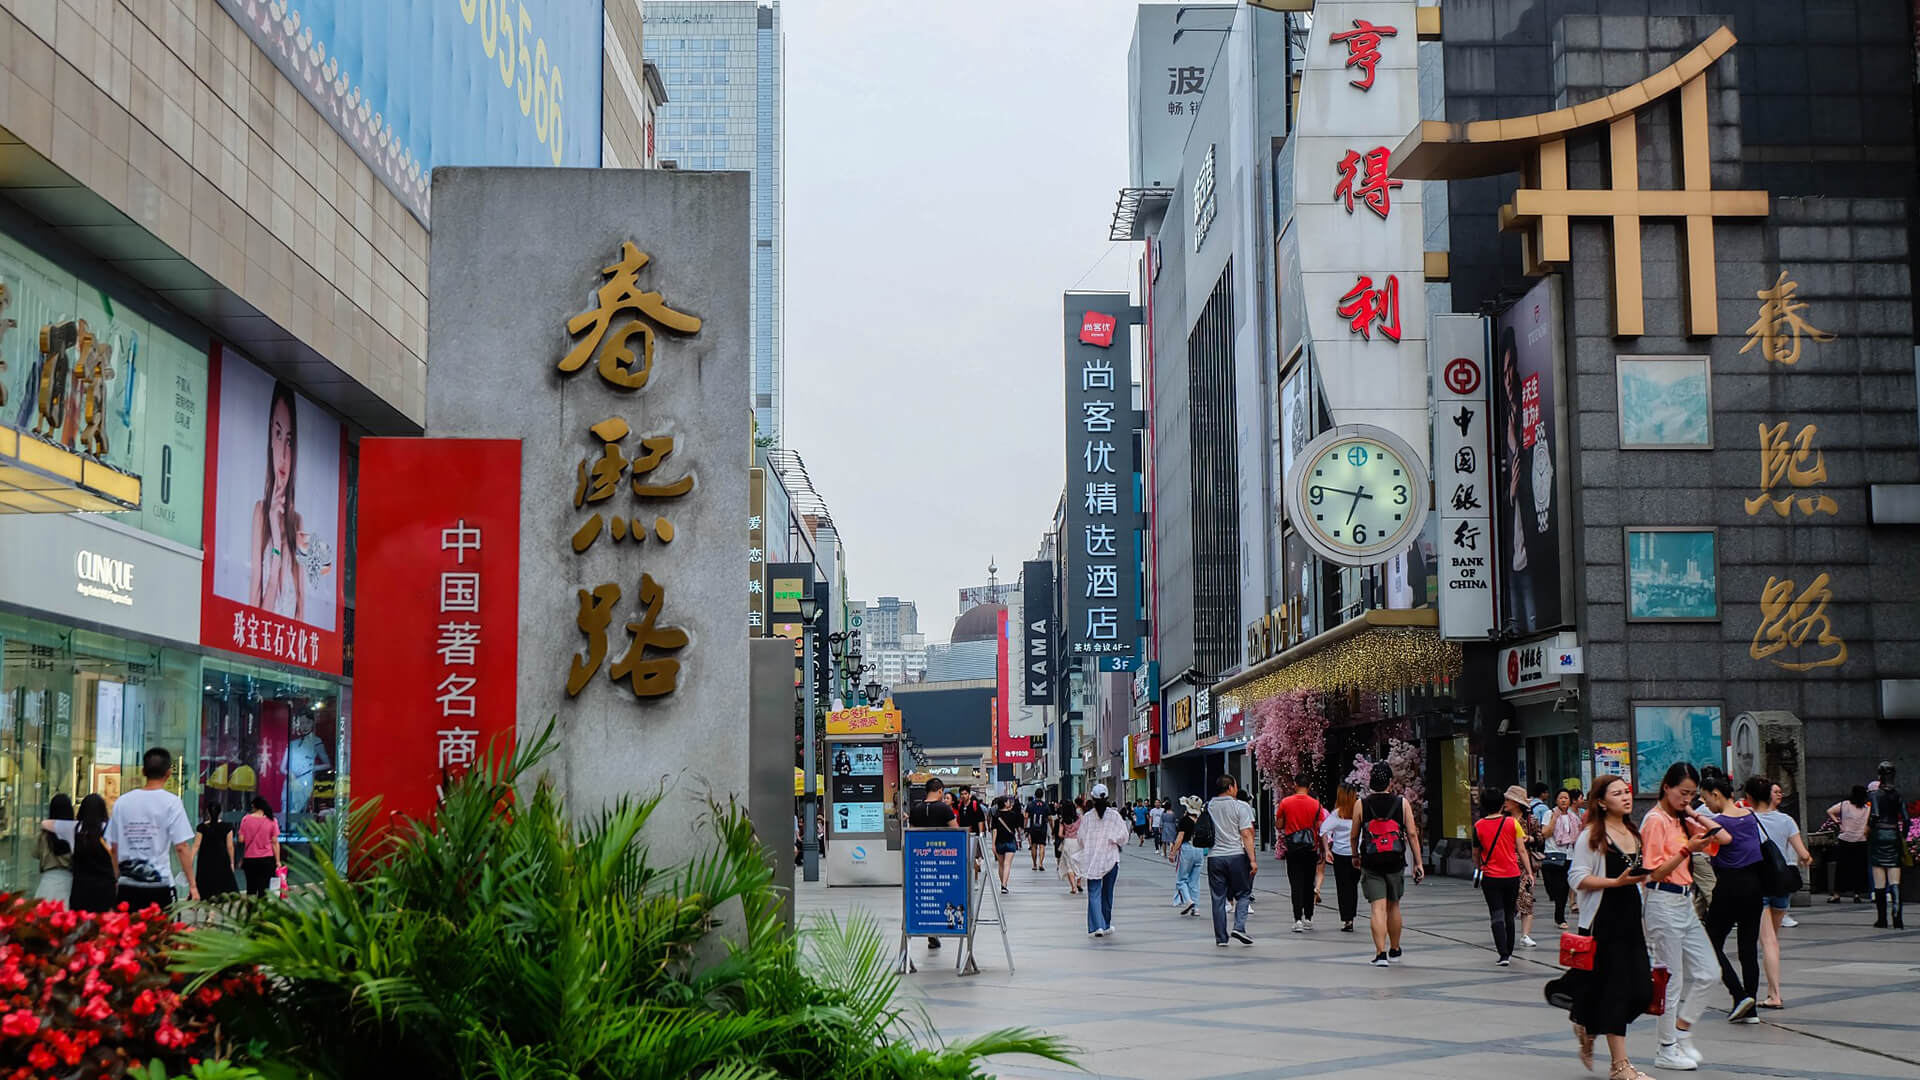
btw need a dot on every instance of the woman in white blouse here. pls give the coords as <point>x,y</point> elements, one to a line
<point>1337,831</point>
<point>1103,834</point>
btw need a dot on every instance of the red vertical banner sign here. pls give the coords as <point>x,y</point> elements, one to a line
<point>1010,748</point>
<point>435,677</point>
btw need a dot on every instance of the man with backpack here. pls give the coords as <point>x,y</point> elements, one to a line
<point>1384,837</point>
<point>1299,822</point>
<point>1226,830</point>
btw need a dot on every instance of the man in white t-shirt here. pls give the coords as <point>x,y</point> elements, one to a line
<point>144,825</point>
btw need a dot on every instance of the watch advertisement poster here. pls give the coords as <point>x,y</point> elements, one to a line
<point>1526,441</point>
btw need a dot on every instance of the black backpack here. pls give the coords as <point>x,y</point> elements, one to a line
<point>1204,834</point>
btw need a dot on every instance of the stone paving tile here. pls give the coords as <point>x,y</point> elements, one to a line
<point>1159,1001</point>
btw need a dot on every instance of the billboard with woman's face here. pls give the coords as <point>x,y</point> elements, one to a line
<point>275,500</point>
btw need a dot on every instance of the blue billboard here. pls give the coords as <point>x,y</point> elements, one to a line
<point>415,84</point>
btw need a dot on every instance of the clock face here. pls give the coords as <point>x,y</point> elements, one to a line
<point>1359,498</point>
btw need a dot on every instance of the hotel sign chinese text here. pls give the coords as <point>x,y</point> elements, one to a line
<point>1101,590</point>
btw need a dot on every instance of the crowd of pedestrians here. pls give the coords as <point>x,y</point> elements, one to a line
<point>1652,912</point>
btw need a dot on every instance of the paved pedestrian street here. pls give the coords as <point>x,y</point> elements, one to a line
<point>1158,1001</point>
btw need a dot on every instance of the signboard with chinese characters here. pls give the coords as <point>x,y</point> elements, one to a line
<point>275,504</point>
<point>1529,462</point>
<point>1037,630</point>
<point>1102,593</point>
<point>437,629</point>
<point>756,552</point>
<point>1358,231</point>
<point>1462,488</point>
<point>1542,664</point>
<point>1008,746</point>
<point>864,720</point>
<point>618,365</point>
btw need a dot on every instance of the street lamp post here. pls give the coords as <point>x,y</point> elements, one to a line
<point>810,802</point>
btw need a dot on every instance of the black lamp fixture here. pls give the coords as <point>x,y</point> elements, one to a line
<point>873,692</point>
<point>809,608</point>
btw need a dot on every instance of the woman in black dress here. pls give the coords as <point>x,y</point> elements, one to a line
<point>95,878</point>
<point>1606,868</point>
<point>213,853</point>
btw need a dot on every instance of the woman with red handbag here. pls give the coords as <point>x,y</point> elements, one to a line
<point>1612,991</point>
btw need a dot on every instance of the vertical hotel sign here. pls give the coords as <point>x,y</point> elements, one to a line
<point>1102,586</point>
<point>439,614</point>
<point>1462,476</point>
<point>1361,250</point>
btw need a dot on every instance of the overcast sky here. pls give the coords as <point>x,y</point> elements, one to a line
<point>951,170</point>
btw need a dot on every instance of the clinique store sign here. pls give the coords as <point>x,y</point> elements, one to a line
<point>83,568</point>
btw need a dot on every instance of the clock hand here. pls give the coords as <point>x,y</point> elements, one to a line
<point>1357,496</point>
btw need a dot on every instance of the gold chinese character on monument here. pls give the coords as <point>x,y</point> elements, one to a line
<point>596,612</point>
<point>1780,326</point>
<point>656,676</point>
<point>1792,462</point>
<point>597,478</point>
<point>621,292</point>
<point>1786,620</point>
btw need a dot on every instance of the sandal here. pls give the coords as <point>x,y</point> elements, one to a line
<point>1833,899</point>
<point>1775,1004</point>
<point>1586,1046</point>
<point>1624,1070</point>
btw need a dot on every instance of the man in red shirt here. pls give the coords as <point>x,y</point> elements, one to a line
<point>1299,819</point>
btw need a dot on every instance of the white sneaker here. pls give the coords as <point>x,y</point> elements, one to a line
<point>1306,925</point>
<point>1298,926</point>
<point>1529,942</point>
<point>1670,1057</point>
<point>1789,922</point>
<point>1685,1045</point>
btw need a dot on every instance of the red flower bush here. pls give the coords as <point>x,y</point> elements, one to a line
<point>84,995</point>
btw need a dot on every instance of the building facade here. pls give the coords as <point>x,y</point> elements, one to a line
<point>722,62</point>
<point>889,622</point>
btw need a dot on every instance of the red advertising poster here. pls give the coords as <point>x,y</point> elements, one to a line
<point>275,504</point>
<point>1007,748</point>
<point>435,669</point>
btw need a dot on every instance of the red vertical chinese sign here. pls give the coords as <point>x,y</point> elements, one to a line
<point>435,681</point>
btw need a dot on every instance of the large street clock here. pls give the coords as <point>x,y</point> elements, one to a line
<point>1357,495</point>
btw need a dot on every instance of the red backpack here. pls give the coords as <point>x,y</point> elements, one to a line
<point>1382,842</point>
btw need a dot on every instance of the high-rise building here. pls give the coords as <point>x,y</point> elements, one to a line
<point>722,62</point>
<point>889,621</point>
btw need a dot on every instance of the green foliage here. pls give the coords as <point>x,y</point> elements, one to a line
<point>503,941</point>
<point>201,1070</point>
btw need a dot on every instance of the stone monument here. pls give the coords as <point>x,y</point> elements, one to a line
<point>601,318</point>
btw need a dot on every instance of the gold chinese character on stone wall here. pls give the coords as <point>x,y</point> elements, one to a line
<point>1780,326</point>
<point>1793,463</point>
<point>1787,619</point>
<point>617,363</point>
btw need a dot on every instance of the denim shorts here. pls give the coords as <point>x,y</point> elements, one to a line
<point>1780,902</point>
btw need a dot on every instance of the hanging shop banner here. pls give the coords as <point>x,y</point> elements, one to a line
<point>864,720</point>
<point>413,85</point>
<point>1102,586</point>
<point>438,619</point>
<point>756,552</point>
<point>1462,489</point>
<point>936,878</point>
<point>1526,433</point>
<point>273,510</point>
<point>1008,747</point>
<point>1037,619</point>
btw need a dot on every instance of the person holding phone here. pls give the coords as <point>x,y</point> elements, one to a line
<point>1737,897</point>
<point>1671,834</point>
<point>1607,869</point>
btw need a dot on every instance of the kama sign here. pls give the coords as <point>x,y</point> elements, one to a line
<point>1102,607</point>
<point>1037,632</point>
<point>1462,476</point>
<point>438,634</point>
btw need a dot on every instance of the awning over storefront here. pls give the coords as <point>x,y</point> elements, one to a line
<point>39,477</point>
<point>1379,651</point>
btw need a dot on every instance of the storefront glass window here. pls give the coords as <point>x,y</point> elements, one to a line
<point>273,735</point>
<point>1455,796</point>
<point>77,711</point>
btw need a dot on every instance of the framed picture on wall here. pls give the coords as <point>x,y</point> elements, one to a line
<point>1666,402</point>
<point>1668,731</point>
<point>1673,573</point>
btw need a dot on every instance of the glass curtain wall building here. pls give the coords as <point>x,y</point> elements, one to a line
<point>721,61</point>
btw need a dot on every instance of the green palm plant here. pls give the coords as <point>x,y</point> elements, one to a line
<point>502,940</point>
